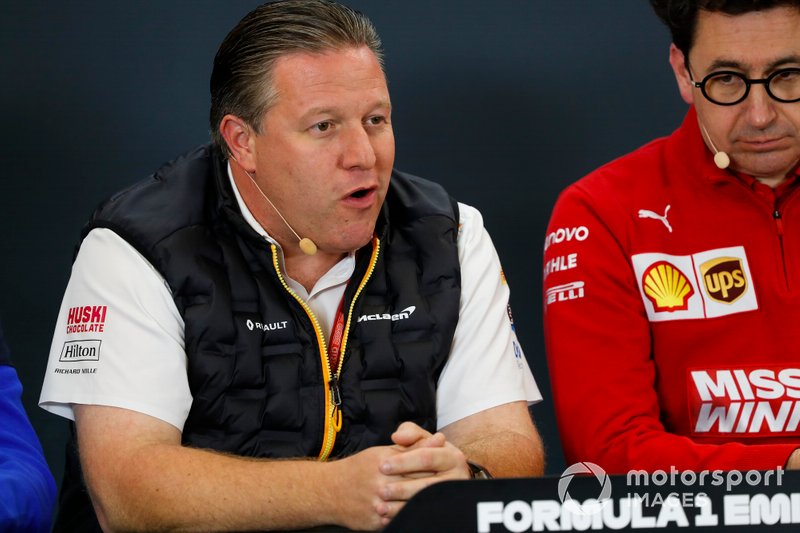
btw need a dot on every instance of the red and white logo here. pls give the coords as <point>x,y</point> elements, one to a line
<point>86,319</point>
<point>706,284</point>
<point>745,401</point>
<point>667,287</point>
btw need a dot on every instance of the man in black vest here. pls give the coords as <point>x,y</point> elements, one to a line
<point>285,294</point>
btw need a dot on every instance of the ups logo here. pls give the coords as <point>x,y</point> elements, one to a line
<point>724,279</point>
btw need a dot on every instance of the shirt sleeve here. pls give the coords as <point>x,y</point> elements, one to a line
<point>486,366</point>
<point>118,340</point>
<point>598,344</point>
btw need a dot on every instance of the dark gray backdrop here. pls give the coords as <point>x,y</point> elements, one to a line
<point>503,102</point>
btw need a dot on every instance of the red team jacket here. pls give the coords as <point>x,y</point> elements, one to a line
<point>672,313</point>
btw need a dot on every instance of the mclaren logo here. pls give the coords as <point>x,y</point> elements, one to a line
<point>402,315</point>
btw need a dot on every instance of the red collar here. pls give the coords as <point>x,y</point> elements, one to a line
<point>687,145</point>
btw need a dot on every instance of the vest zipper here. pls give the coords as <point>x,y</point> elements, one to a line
<point>333,422</point>
<point>335,425</point>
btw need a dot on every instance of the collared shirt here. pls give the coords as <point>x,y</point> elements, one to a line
<point>139,362</point>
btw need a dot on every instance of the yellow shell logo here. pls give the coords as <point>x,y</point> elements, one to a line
<point>667,287</point>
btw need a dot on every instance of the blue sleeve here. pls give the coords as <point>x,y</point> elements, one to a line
<point>27,488</point>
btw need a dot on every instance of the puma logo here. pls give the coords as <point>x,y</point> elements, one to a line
<point>646,213</point>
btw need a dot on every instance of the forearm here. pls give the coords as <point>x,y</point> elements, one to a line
<point>507,454</point>
<point>502,439</point>
<point>165,487</point>
<point>141,478</point>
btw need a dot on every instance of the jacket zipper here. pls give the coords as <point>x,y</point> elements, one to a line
<point>776,215</point>
<point>777,218</point>
<point>778,211</point>
<point>333,422</point>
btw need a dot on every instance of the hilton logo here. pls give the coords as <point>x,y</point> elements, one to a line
<point>74,351</point>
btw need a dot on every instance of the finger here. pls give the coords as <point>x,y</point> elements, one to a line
<point>437,440</point>
<point>425,459</point>
<point>388,510</point>
<point>401,491</point>
<point>408,433</point>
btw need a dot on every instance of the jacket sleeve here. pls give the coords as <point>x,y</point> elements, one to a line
<point>27,488</point>
<point>598,345</point>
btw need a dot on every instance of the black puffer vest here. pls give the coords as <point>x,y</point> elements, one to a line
<point>260,384</point>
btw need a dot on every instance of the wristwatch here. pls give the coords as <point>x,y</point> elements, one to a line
<point>477,471</point>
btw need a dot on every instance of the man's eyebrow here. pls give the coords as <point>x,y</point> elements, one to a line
<point>382,104</point>
<point>725,63</point>
<point>328,110</point>
<point>795,59</point>
<point>322,110</point>
<point>731,64</point>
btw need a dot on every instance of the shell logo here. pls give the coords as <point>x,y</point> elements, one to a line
<point>667,287</point>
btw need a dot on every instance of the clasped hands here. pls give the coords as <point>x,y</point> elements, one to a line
<point>381,479</point>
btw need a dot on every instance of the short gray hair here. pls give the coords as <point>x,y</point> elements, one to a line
<point>241,82</point>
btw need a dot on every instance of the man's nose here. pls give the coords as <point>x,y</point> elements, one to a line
<point>760,109</point>
<point>357,149</point>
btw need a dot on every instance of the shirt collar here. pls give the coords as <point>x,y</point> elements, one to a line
<point>339,273</point>
<point>246,214</point>
<point>690,148</point>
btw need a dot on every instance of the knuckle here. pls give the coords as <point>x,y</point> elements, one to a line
<point>427,458</point>
<point>460,456</point>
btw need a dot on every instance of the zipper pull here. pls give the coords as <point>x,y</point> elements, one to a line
<point>777,216</point>
<point>336,400</point>
<point>336,394</point>
<point>336,418</point>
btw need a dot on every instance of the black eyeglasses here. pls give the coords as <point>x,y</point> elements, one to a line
<point>726,87</point>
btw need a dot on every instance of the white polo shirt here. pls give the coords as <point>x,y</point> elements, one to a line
<point>119,338</point>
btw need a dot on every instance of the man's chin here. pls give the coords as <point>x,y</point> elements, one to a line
<point>347,244</point>
<point>765,165</point>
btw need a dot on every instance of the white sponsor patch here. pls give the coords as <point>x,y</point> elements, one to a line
<point>74,351</point>
<point>703,285</point>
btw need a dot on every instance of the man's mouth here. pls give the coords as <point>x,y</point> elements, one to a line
<point>360,193</point>
<point>762,144</point>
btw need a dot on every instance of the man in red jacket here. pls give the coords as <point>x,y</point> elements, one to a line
<point>672,275</point>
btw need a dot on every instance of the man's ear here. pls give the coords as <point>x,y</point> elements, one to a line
<point>240,139</point>
<point>678,62</point>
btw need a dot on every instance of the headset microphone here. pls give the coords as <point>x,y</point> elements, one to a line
<point>721,159</point>
<point>307,246</point>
